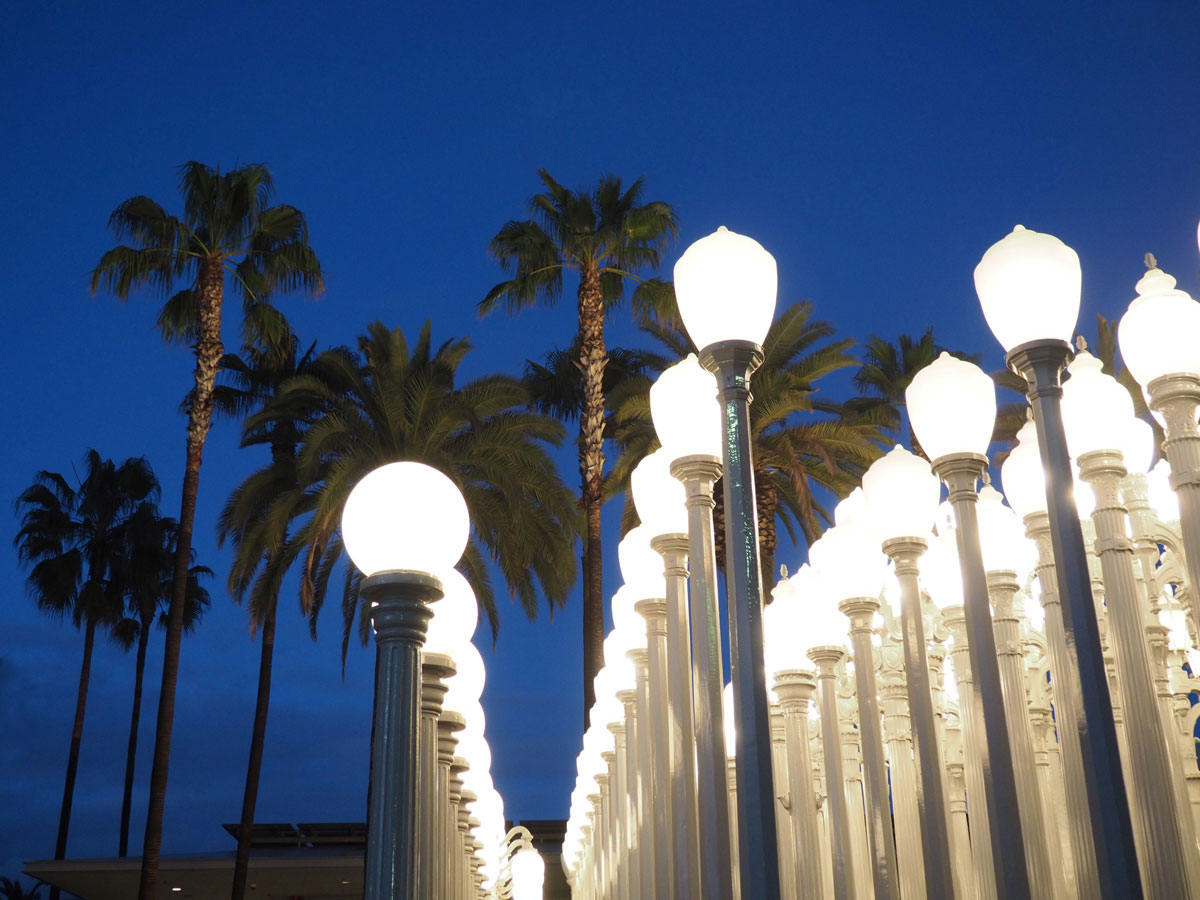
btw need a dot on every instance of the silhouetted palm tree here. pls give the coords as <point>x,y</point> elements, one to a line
<point>228,230</point>
<point>608,235</point>
<point>72,538</point>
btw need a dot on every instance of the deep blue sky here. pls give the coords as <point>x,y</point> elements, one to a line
<point>876,149</point>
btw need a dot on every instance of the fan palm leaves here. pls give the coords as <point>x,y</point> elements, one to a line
<point>391,400</point>
<point>228,230</point>
<point>805,448</point>
<point>72,538</point>
<point>608,236</point>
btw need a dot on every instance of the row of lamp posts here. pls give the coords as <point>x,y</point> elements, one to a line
<point>973,742</point>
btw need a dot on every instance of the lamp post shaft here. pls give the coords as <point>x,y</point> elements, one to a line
<point>1041,363</point>
<point>656,878</point>
<point>881,839</point>
<point>699,474</point>
<point>795,690</point>
<point>435,668</point>
<point>826,658</point>
<point>733,362</point>
<point>447,843</point>
<point>930,784</point>
<point>1154,798</point>
<point>961,473</point>
<point>654,610</point>
<point>400,617</point>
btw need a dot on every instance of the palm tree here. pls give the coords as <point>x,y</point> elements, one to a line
<point>608,236</point>
<point>72,540</point>
<point>248,384</point>
<point>803,446</point>
<point>228,229</point>
<point>13,890</point>
<point>148,565</point>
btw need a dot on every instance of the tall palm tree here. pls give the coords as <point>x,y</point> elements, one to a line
<point>145,573</point>
<point>804,447</point>
<point>72,540</point>
<point>246,386</point>
<point>608,236</point>
<point>228,230</point>
<point>14,890</point>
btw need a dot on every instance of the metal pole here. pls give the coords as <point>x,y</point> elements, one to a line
<point>449,724</point>
<point>902,774</point>
<point>681,746</point>
<point>825,659</point>
<point>961,472</point>
<point>699,474</point>
<point>1041,363</point>
<point>930,787</point>
<point>783,808</point>
<point>656,871</point>
<point>400,615</point>
<point>1153,797</point>
<point>435,668</point>
<point>732,362</point>
<point>880,837</point>
<point>795,690</point>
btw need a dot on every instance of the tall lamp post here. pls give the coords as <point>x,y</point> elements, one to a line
<point>726,285</point>
<point>1029,286</point>
<point>397,551</point>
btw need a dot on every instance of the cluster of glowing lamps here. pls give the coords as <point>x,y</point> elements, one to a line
<point>954,699</point>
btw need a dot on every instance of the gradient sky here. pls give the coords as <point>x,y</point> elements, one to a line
<point>876,149</point>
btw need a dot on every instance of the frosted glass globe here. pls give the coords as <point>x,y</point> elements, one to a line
<point>466,685</point>
<point>607,709</point>
<point>941,572</point>
<point>1029,286</point>
<point>405,515</point>
<point>625,617</point>
<point>848,562</point>
<point>851,508</point>
<point>952,406</point>
<point>1095,407</point>
<point>455,616</point>
<point>1158,332</point>
<point>818,622</point>
<point>730,724</point>
<point>1138,445</point>
<point>616,657</point>
<point>902,494</point>
<point>781,651</point>
<point>725,287</point>
<point>641,567</point>
<point>1163,498</point>
<point>686,411</point>
<point>658,498</point>
<point>1022,474</point>
<point>1002,536</point>
<point>528,875</point>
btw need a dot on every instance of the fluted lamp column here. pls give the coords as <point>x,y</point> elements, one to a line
<point>725,286</point>
<point>397,552</point>
<point>687,419</point>
<point>1029,286</point>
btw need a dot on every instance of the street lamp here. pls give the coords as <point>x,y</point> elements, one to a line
<point>1029,287</point>
<point>902,497</point>
<point>726,286</point>
<point>401,523</point>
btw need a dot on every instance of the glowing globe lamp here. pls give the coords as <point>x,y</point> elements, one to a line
<point>641,567</point>
<point>902,494</point>
<point>685,410</point>
<point>952,406</point>
<point>1002,536</point>
<point>528,875</point>
<point>455,616</point>
<point>1022,474</point>
<point>658,498</point>
<point>1095,407</point>
<point>726,285</point>
<point>1158,333</point>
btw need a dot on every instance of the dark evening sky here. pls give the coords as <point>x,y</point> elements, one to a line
<point>876,149</point>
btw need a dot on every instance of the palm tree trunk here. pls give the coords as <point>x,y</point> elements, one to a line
<point>208,358</point>
<point>254,769</point>
<point>64,817</point>
<point>592,360</point>
<point>134,719</point>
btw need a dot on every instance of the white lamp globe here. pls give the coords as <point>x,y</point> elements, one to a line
<point>818,623</point>
<point>1002,537</point>
<point>686,411</point>
<point>607,709</point>
<point>1095,407</point>
<point>851,508</point>
<point>455,616</point>
<point>725,286</point>
<point>1022,474</point>
<point>405,515</point>
<point>616,657</point>
<point>528,875</point>
<point>902,494</point>
<point>952,406</point>
<point>941,572</point>
<point>466,686</point>
<point>658,498</point>
<point>641,567</point>
<point>1163,498</point>
<point>781,651</point>
<point>474,720</point>
<point>1138,445</point>
<point>846,562</point>
<point>626,618</point>
<point>730,724</point>
<point>1029,286</point>
<point>1158,332</point>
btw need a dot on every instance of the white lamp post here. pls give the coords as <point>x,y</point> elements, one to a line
<point>397,550</point>
<point>726,285</point>
<point>1029,288</point>
<point>902,497</point>
<point>1095,410</point>
<point>687,418</point>
<point>1158,342</point>
<point>659,500</point>
<point>952,404</point>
